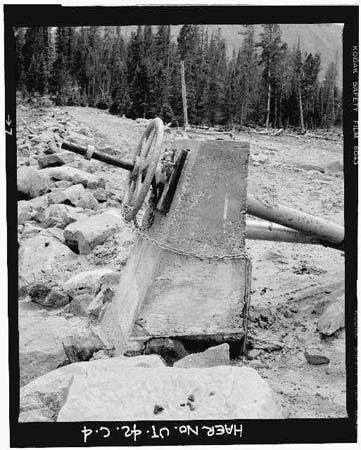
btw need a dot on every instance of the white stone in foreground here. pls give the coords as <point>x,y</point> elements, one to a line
<point>167,393</point>
<point>41,400</point>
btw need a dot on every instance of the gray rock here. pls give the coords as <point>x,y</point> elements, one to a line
<point>68,157</point>
<point>170,349</point>
<point>72,174</point>
<point>96,305</point>
<point>41,258</point>
<point>81,346</point>
<point>39,203</point>
<point>101,354</point>
<point>165,393</point>
<point>213,356</point>
<point>86,234</point>
<point>254,354</point>
<point>51,148</point>
<point>53,160</point>
<point>70,195</point>
<point>45,137</point>
<point>88,282</point>
<point>87,201</point>
<point>25,212</point>
<point>79,305</point>
<point>42,399</point>
<point>59,215</point>
<point>48,296</point>
<point>40,336</point>
<point>333,319</point>
<point>31,182</point>
<point>101,195</point>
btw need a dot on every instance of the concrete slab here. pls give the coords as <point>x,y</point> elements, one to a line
<point>176,282</point>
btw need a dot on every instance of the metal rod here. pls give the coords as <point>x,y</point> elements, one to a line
<point>103,157</point>
<point>296,220</point>
<point>267,231</point>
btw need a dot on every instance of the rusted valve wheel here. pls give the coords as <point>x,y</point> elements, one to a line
<point>145,159</point>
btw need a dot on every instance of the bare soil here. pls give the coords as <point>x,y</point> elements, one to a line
<point>291,283</point>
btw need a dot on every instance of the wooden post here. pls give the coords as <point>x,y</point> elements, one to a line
<point>184,96</point>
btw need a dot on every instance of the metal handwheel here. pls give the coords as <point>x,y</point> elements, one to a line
<point>145,159</point>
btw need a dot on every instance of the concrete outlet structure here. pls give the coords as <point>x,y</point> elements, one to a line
<point>177,282</point>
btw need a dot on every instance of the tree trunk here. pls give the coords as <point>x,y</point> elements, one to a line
<point>275,112</point>
<point>184,96</point>
<point>268,104</point>
<point>301,109</point>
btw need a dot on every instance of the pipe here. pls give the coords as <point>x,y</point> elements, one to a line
<point>103,157</point>
<point>267,231</point>
<point>297,220</point>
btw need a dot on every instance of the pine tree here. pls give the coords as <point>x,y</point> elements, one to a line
<point>311,69</point>
<point>328,96</point>
<point>215,91</point>
<point>272,52</point>
<point>298,81</point>
<point>36,59</point>
<point>19,44</point>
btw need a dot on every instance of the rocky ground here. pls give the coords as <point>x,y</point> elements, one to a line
<point>73,244</point>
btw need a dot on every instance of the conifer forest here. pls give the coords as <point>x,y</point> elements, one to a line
<point>265,83</point>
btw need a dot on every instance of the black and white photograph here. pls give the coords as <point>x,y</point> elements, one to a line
<point>182,215</point>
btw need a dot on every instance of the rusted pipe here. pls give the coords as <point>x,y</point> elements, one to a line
<point>297,220</point>
<point>267,231</point>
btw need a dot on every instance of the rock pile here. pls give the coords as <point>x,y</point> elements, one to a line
<point>61,291</point>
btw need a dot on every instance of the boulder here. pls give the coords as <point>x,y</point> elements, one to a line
<point>59,215</point>
<point>165,393</point>
<point>170,349</point>
<point>88,282</point>
<point>87,201</point>
<point>67,157</point>
<point>74,175</point>
<point>213,356</point>
<point>25,212</point>
<point>40,257</point>
<point>42,399</point>
<point>53,160</point>
<point>31,182</point>
<point>82,345</point>
<point>86,234</point>
<point>333,319</point>
<point>79,305</point>
<point>46,295</point>
<point>40,341</point>
<point>95,306</point>
<point>70,195</point>
<point>39,203</point>
<point>101,195</point>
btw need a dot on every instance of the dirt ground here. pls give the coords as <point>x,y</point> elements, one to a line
<point>291,283</point>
